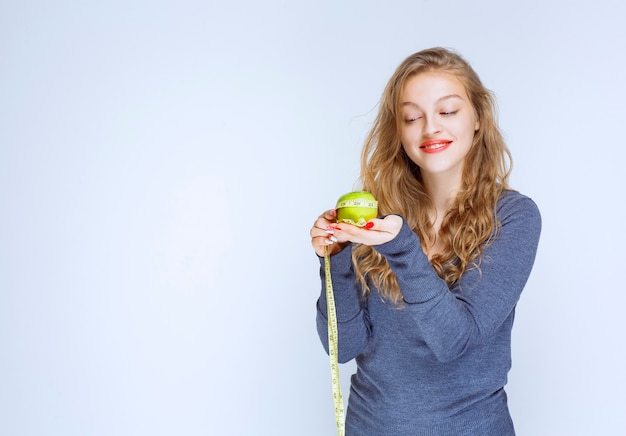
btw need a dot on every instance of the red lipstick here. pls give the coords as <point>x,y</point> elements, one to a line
<point>435,145</point>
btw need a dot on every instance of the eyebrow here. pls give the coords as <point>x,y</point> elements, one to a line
<point>445,97</point>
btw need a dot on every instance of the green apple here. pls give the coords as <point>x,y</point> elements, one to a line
<point>356,208</point>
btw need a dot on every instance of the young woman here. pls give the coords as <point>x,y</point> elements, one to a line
<point>425,295</point>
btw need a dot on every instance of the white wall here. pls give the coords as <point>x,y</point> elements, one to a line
<point>161,164</point>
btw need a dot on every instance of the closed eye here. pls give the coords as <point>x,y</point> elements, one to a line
<point>446,114</point>
<point>411,119</point>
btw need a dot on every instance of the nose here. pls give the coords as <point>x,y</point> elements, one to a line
<point>431,126</point>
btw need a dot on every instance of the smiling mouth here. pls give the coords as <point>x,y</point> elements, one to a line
<point>434,146</point>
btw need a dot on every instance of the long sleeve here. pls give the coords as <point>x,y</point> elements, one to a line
<point>352,320</point>
<point>452,320</point>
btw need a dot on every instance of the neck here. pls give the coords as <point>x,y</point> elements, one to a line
<point>442,189</point>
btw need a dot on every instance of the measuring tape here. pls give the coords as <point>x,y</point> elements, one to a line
<point>357,202</point>
<point>333,349</point>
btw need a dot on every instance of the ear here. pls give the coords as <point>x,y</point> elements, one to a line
<point>476,125</point>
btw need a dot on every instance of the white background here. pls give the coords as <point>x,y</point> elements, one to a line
<point>161,164</point>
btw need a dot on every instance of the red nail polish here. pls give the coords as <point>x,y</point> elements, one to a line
<point>369,225</point>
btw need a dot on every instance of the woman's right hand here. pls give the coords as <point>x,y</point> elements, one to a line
<point>323,234</point>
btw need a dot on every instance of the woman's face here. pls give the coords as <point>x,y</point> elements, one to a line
<point>438,123</point>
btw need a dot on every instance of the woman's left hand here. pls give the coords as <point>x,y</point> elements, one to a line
<point>376,232</point>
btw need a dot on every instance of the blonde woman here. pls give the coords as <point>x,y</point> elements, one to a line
<point>426,294</point>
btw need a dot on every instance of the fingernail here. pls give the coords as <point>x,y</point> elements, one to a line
<point>334,239</point>
<point>330,230</point>
<point>369,225</point>
<point>328,241</point>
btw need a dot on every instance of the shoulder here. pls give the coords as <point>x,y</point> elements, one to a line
<point>517,207</point>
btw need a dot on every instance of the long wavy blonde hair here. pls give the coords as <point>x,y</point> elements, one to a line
<point>396,182</point>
